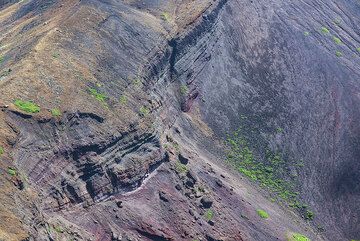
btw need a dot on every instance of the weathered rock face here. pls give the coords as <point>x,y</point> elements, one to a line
<point>148,90</point>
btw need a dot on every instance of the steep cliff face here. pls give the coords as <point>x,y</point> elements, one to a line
<point>114,117</point>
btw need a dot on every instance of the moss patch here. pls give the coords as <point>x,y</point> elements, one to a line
<point>262,213</point>
<point>1,150</point>
<point>27,106</point>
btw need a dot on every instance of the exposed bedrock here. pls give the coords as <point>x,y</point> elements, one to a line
<point>81,160</point>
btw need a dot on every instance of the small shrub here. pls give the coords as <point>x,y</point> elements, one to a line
<point>262,213</point>
<point>180,168</point>
<point>325,30</point>
<point>309,215</point>
<point>5,73</point>
<point>97,95</point>
<point>279,130</point>
<point>2,58</point>
<point>358,49</point>
<point>12,171</point>
<point>306,33</point>
<point>144,111</point>
<point>1,150</point>
<point>59,229</point>
<point>338,54</point>
<point>56,112</point>
<point>137,82</point>
<point>123,100</point>
<point>184,89</point>
<point>56,55</point>
<point>209,215</point>
<point>298,237</point>
<point>27,106</point>
<point>337,40</point>
<point>165,16</point>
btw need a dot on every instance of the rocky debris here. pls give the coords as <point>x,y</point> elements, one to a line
<point>163,196</point>
<point>219,182</point>
<point>119,204</point>
<point>206,202</point>
<point>183,160</point>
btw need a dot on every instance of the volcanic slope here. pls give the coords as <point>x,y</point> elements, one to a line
<point>115,115</point>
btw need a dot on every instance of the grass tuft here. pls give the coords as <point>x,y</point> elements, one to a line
<point>12,171</point>
<point>2,58</point>
<point>184,89</point>
<point>165,16</point>
<point>209,215</point>
<point>262,213</point>
<point>27,106</point>
<point>97,95</point>
<point>1,150</point>
<point>180,168</point>
<point>144,111</point>
<point>358,49</point>
<point>123,100</point>
<point>337,40</point>
<point>325,30</point>
<point>56,112</point>
<point>306,33</point>
<point>298,237</point>
<point>338,54</point>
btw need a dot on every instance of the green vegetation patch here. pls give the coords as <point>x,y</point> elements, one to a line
<point>337,40</point>
<point>56,55</point>
<point>338,54</point>
<point>180,168</point>
<point>137,82</point>
<point>325,30</point>
<point>27,106</point>
<point>271,173</point>
<point>298,237</point>
<point>123,100</point>
<point>358,49</point>
<point>306,33</point>
<point>184,89</point>
<point>1,150</point>
<point>262,213</point>
<point>309,215</point>
<point>97,95</point>
<point>12,171</point>
<point>2,58</point>
<point>209,214</point>
<point>144,111</point>
<point>56,112</point>
<point>165,16</point>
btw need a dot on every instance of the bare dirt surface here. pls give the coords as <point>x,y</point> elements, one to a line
<point>137,98</point>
